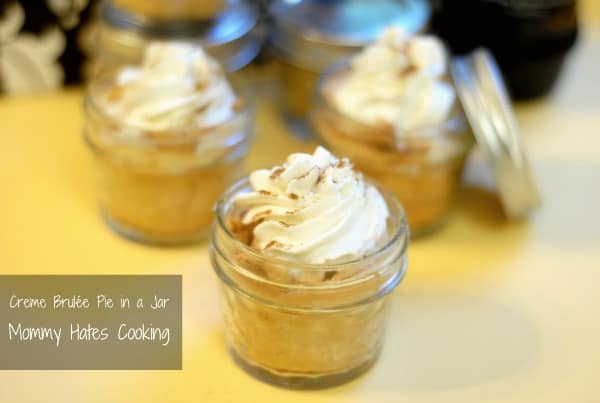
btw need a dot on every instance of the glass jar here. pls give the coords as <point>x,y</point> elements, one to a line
<point>423,170</point>
<point>159,187</point>
<point>308,36</point>
<point>301,325</point>
<point>232,36</point>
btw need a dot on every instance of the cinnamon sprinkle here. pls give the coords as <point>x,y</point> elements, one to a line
<point>411,69</point>
<point>276,173</point>
<point>304,175</point>
<point>272,243</point>
<point>264,213</point>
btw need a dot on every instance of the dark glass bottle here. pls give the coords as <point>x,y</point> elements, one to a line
<point>530,38</point>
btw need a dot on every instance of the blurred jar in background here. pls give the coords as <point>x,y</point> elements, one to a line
<point>41,44</point>
<point>393,110</point>
<point>530,38</point>
<point>309,35</point>
<point>167,137</point>
<point>228,30</point>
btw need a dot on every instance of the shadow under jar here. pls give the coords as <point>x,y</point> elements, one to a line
<point>422,167</point>
<point>159,187</point>
<point>305,325</point>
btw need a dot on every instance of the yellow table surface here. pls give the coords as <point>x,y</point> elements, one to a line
<point>489,311</point>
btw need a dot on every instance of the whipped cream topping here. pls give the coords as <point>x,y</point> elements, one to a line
<point>314,209</point>
<point>177,85</point>
<point>397,81</point>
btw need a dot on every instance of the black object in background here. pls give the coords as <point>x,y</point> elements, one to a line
<point>530,38</point>
<point>41,43</point>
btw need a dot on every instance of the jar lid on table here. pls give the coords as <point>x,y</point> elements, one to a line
<point>484,98</point>
<point>314,33</point>
<point>231,36</point>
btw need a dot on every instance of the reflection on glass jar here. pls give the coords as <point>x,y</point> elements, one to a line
<point>320,328</point>
<point>297,86</point>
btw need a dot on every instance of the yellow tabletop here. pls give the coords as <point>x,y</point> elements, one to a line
<point>489,311</point>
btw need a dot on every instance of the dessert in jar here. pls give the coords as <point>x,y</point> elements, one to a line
<point>307,253</point>
<point>168,138</point>
<point>307,36</point>
<point>394,113</point>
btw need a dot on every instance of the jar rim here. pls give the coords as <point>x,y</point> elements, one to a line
<point>312,34</point>
<point>317,23</point>
<point>240,18</point>
<point>401,233</point>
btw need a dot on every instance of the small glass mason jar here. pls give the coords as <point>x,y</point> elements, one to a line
<point>308,36</point>
<point>159,187</point>
<point>422,169</point>
<point>305,325</point>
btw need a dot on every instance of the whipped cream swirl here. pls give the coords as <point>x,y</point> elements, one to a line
<point>177,85</point>
<point>314,209</point>
<point>397,81</point>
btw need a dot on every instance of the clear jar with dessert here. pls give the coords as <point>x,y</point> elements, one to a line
<point>392,109</point>
<point>227,30</point>
<point>167,139</point>
<point>308,254</point>
<point>308,36</point>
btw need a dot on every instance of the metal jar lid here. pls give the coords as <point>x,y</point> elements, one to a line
<point>314,33</point>
<point>232,36</point>
<point>483,95</point>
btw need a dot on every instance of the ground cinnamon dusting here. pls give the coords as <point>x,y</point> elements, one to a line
<point>272,244</point>
<point>276,173</point>
<point>411,69</point>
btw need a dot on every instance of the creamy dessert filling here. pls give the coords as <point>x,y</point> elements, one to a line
<point>397,82</point>
<point>313,209</point>
<point>178,85</point>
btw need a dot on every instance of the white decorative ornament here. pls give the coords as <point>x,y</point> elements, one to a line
<point>67,10</point>
<point>28,62</point>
